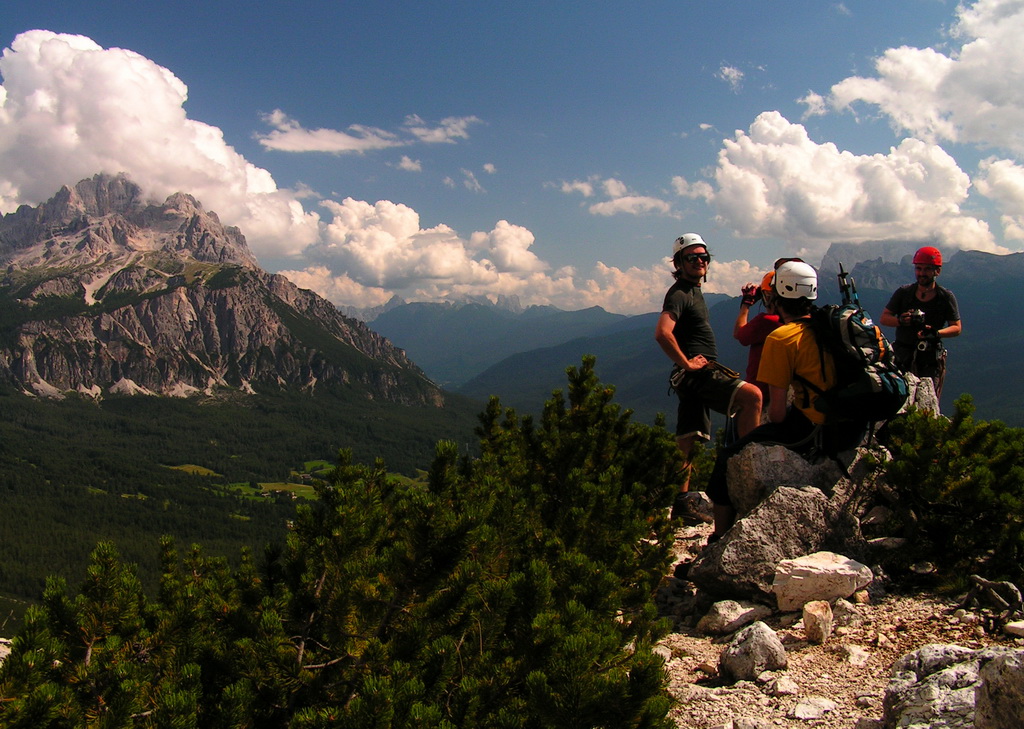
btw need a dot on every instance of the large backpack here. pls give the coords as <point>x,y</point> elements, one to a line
<point>869,385</point>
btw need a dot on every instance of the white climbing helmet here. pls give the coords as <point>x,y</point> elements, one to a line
<point>795,280</point>
<point>687,240</point>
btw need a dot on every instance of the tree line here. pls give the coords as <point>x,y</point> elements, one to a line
<point>75,472</point>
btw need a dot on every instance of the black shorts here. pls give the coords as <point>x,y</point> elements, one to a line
<point>699,393</point>
<point>926,361</point>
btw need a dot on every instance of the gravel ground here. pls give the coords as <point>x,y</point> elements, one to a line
<point>850,669</point>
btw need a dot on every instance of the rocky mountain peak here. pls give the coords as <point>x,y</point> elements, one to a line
<point>98,197</point>
<point>102,222</point>
<point>105,292</point>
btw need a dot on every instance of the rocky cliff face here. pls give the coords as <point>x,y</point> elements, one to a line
<point>104,292</point>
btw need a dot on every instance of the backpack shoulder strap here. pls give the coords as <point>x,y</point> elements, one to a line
<point>814,324</point>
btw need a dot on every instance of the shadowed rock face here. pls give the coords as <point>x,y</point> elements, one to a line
<point>100,289</point>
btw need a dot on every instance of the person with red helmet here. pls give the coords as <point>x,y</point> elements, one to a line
<point>924,314</point>
<point>684,334</point>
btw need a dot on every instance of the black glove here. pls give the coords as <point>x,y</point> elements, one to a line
<point>750,292</point>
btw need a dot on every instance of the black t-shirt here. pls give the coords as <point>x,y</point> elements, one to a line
<point>685,301</point>
<point>938,311</point>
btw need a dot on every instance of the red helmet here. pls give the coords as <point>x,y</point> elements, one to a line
<point>928,256</point>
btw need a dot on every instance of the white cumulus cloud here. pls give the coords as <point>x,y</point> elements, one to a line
<point>447,132</point>
<point>973,95</point>
<point>1003,181</point>
<point>731,75</point>
<point>70,109</point>
<point>410,165</point>
<point>508,247</point>
<point>775,181</point>
<point>620,200</point>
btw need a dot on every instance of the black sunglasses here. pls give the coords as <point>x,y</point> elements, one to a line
<point>694,257</point>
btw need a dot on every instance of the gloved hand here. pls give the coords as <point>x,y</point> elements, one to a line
<point>749,292</point>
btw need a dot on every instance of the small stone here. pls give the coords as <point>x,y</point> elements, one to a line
<point>856,655</point>
<point>861,597</point>
<point>818,621</point>
<point>814,707</point>
<point>782,686</point>
<point>867,702</point>
<point>865,723</point>
<point>1014,628</point>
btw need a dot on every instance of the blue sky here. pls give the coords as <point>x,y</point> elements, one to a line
<point>548,150</point>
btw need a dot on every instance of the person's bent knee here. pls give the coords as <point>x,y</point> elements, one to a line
<point>749,395</point>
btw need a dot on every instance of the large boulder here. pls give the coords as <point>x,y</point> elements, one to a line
<point>757,470</point>
<point>754,650</point>
<point>941,685</point>
<point>818,576</point>
<point>789,523</point>
<point>1001,693</point>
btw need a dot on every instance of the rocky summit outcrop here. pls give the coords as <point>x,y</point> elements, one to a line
<point>102,291</point>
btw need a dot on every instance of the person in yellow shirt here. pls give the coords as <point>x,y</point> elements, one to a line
<point>791,354</point>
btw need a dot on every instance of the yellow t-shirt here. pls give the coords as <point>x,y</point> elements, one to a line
<point>792,350</point>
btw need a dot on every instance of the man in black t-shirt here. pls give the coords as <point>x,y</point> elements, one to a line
<point>924,314</point>
<point>684,334</point>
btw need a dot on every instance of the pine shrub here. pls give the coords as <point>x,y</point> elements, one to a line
<point>510,590</point>
<point>961,484</point>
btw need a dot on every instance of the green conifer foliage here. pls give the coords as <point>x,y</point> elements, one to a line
<point>511,590</point>
<point>961,483</point>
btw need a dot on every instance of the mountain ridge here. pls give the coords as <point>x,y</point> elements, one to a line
<point>105,292</point>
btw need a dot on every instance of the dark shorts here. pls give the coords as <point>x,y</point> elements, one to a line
<point>699,393</point>
<point>928,361</point>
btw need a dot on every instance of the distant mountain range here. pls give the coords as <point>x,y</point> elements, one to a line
<point>455,342</point>
<point>481,351</point>
<point>103,293</point>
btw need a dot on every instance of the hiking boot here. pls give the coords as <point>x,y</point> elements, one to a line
<point>692,507</point>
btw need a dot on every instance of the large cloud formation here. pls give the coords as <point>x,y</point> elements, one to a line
<point>775,181</point>
<point>972,96</point>
<point>70,109</point>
